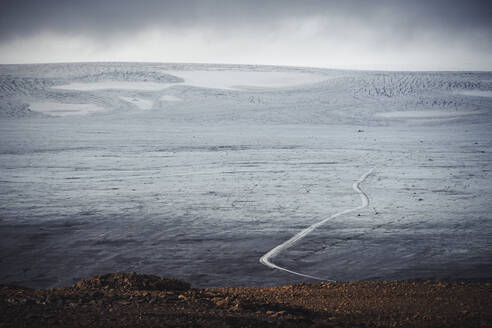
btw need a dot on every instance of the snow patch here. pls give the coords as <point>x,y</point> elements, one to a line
<point>170,98</point>
<point>61,109</point>
<point>139,102</point>
<point>146,86</point>
<point>241,80</point>
<point>424,114</point>
<point>477,93</point>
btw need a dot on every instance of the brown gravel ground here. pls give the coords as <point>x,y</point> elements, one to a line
<point>131,300</point>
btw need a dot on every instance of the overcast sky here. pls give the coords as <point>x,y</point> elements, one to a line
<point>367,34</point>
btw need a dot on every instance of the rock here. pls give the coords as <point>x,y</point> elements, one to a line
<point>219,301</point>
<point>132,281</point>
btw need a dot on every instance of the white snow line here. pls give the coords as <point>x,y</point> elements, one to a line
<point>266,259</point>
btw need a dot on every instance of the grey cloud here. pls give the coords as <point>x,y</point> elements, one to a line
<point>107,18</point>
<point>427,34</point>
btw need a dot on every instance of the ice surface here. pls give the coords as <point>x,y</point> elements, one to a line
<point>201,188</point>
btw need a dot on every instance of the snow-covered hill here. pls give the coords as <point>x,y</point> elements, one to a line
<point>268,94</point>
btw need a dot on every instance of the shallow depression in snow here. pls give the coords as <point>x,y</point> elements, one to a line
<point>223,79</point>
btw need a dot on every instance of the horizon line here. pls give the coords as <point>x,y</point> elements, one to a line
<point>263,65</point>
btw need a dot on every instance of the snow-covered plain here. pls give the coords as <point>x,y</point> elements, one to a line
<point>227,162</point>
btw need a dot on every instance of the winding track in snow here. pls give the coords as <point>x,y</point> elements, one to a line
<point>266,259</point>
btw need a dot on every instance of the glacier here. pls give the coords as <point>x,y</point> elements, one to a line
<point>196,171</point>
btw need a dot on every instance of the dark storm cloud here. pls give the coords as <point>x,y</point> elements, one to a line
<point>99,18</point>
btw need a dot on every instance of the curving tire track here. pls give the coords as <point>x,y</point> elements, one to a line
<point>266,259</point>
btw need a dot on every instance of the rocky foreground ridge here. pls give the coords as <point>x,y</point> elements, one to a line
<point>133,300</point>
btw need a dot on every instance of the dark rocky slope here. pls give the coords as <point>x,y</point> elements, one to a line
<point>131,300</point>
